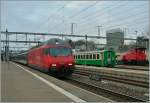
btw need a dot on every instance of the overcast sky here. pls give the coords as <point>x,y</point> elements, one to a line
<point>57,16</point>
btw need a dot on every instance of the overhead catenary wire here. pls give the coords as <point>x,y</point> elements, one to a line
<point>100,13</point>
<point>50,16</point>
<point>77,14</point>
<point>139,21</point>
<point>127,25</point>
<point>90,20</point>
<point>124,20</point>
<point>85,18</point>
<point>94,5</point>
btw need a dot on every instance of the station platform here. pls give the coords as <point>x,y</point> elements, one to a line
<point>23,84</point>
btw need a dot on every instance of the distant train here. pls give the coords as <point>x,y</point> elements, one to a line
<point>136,56</point>
<point>54,57</point>
<point>103,58</point>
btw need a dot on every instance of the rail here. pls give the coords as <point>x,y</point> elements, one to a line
<point>114,95</point>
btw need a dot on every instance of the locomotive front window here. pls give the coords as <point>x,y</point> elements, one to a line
<point>61,51</point>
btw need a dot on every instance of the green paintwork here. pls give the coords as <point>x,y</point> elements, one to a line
<point>89,62</point>
<point>107,58</point>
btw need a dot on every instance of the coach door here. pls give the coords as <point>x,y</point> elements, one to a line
<point>108,57</point>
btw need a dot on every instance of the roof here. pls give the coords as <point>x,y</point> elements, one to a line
<point>97,51</point>
<point>55,41</point>
<point>114,30</point>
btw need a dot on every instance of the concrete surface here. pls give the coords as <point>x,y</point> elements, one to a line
<point>20,86</point>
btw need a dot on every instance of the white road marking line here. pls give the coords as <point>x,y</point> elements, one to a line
<point>69,95</point>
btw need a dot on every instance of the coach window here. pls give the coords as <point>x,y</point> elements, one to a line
<point>90,56</point>
<point>83,56</point>
<point>78,56</point>
<point>74,57</point>
<point>86,56</point>
<point>97,56</point>
<point>94,56</point>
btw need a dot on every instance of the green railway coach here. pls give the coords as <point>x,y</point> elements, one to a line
<point>97,58</point>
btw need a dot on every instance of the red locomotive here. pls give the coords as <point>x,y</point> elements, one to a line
<point>135,56</point>
<point>54,57</point>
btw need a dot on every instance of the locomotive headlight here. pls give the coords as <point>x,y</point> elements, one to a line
<point>69,64</point>
<point>53,65</point>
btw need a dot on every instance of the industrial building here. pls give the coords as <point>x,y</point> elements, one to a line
<point>114,39</point>
<point>143,42</point>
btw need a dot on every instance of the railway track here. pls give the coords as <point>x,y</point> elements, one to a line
<point>114,95</point>
<point>121,80</point>
<point>143,68</point>
<point>104,91</point>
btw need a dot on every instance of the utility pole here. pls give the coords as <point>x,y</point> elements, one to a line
<point>62,36</point>
<point>6,47</point>
<point>98,27</point>
<point>125,31</point>
<point>34,38</point>
<point>86,42</point>
<point>29,43</point>
<point>16,37</point>
<point>136,43</point>
<point>136,37</point>
<point>26,38</point>
<point>72,32</point>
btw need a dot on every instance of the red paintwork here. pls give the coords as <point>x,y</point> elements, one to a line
<point>36,57</point>
<point>134,55</point>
